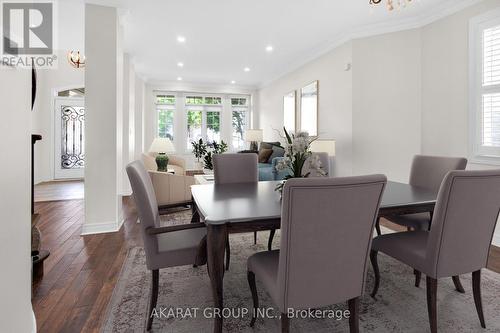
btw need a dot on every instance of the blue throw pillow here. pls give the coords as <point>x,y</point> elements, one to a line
<point>277,152</point>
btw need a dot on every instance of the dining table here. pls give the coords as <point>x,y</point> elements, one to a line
<point>248,207</point>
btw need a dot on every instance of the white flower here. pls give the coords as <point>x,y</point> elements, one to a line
<point>283,164</point>
<point>315,164</point>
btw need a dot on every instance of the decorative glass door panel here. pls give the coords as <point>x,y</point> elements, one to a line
<point>69,138</point>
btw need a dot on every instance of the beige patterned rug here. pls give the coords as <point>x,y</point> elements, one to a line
<point>400,307</point>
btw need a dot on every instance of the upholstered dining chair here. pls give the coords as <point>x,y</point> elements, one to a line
<point>426,172</point>
<point>235,168</point>
<point>164,246</point>
<point>323,221</point>
<point>459,241</point>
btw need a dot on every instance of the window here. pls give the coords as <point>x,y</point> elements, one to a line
<point>210,117</point>
<point>203,118</point>
<point>165,107</point>
<point>240,120</point>
<point>485,87</point>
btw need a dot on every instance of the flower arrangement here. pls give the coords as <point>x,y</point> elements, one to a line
<point>297,152</point>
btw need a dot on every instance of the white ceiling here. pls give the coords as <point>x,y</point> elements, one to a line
<point>224,36</point>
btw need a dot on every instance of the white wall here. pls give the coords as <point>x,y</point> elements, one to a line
<point>445,83</point>
<point>128,120</point>
<point>49,82</point>
<point>445,86</point>
<point>71,33</point>
<point>103,124</point>
<point>335,102</point>
<point>16,314</point>
<point>139,117</point>
<point>386,103</point>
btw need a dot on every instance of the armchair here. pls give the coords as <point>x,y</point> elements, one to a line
<point>171,189</point>
<point>164,246</point>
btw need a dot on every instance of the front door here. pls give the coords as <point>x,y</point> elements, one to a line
<point>69,138</point>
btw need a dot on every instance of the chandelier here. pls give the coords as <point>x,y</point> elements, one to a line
<point>392,4</point>
<point>75,59</point>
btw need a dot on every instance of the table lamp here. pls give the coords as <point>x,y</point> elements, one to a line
<point>162,146</point>
<point>253,136</point>
<point>323,146</point>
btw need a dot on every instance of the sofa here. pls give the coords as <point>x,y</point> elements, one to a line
<point>170,189</point>
<point>267,169</point>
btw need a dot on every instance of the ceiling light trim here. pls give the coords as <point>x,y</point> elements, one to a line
<point>446,9</point>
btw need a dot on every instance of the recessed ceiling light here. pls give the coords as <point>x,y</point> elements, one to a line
<point>181,39</point>
<point>179,78</point>
<point>233,82</point>
<point>269,48</point>
<point>180,64</point>
<point>246,69</point>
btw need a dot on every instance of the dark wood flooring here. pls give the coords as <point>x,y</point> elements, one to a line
<point>81,272</point>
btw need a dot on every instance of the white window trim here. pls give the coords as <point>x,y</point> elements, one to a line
<point>247,109</point>
<point>180,115</point>
<point>478,153</point>
<point>172,107</point>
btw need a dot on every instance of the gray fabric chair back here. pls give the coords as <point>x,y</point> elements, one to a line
<point>325,165</point>
<point>326,233</point>
<point>235,168</point>
<point>464,222</point>
<point>147,207</point>
<point>429,171</point>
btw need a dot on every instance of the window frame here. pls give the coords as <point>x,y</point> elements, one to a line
<point>167,107</point>
<point>204,108</point>
<point>240,108</point>
<point>477,152</point>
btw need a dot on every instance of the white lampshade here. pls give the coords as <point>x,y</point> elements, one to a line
<point>323,146</point>
<point>162,145</point>
<point>252,135</point>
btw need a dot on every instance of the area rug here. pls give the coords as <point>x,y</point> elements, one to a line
<point>185,299</point>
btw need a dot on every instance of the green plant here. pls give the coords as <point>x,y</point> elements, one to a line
<point>199,149</point>
<point>215,148</point>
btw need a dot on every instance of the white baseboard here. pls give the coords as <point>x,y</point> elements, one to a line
<point>33,319</point>
<point>101,228</point>
<point>126,193</point>
<point>496,239</point>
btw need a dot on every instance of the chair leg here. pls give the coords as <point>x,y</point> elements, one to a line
<point>270,241</point>
<point>418,276</point>
<point>285,323</point>
<point>476,290</point>
<point>354,315</point>
<point>432,302</point>
<point>255,296</point>
<point>458,284</point>
<point>228,252</point>
<point>377,227</point>
<point>373,259</point>
<point>153,297</point>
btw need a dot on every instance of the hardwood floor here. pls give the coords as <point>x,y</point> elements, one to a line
<point>59,190</point>
<point>81,272</point>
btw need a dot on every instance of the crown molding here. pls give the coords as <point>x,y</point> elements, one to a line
<point>446,9</point>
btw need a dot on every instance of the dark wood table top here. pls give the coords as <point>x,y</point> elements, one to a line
<point>220,204</point>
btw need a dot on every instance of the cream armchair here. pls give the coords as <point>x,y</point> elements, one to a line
<point>170,189</point>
